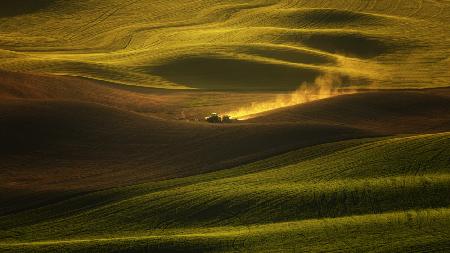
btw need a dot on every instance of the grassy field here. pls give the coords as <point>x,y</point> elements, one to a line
<point>388,194</point>
<point>231,45</point>
<point>343,141</point>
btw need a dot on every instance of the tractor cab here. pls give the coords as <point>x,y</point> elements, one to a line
<point>214,118</point>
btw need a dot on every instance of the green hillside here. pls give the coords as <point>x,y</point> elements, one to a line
<point>385,194</point>
<point>232,44</point>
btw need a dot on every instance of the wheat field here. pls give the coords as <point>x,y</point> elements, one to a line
<point>268,45</point>
<point>325,198</point>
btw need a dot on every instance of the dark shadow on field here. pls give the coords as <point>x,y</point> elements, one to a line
<point>320,17</point>
<point>66,144</point>
<point>60,137</point>
<point>20,7</point>
<point>355,45</point>
<point>289,55</point>
<point>390,112</point>
<point>211,72</point>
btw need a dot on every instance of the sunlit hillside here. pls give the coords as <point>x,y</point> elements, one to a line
<point>232,44</point>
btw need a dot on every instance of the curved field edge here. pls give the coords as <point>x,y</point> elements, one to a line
<point>395,174</point>
<point>100,198</point>
<point>413,230</point>
<point>148,43</point>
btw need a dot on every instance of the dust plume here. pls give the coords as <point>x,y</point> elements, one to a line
<point>325,86</point>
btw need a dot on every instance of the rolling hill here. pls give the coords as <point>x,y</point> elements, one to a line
<point>63,136</point>
<point>104,146</point>
<point>244,45</point>
<point>302,195</point>
<point>65,145</point>
<point>392,112</point>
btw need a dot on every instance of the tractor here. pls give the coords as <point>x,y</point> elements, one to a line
<point>216,118</point>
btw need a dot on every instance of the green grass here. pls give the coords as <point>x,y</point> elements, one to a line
<point>232,44</point>
<point>388,194</point>
<point>411,231</point>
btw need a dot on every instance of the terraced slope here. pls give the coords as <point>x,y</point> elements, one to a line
<point>386,194</point>
<point>232,44</point>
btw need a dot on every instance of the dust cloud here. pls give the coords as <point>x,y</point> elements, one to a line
<point>324,86</point>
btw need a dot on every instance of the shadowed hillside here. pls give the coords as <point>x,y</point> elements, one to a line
<point>56,145</point>
<point>390,112</point>
<point>64,136</point>
<point>23,7</point>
